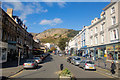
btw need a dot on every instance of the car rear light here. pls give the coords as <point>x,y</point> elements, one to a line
<point>23,64</point>
<point>32,63</point>
<point>38,60</point>
<point>86,64</point>
<point>94,65</point>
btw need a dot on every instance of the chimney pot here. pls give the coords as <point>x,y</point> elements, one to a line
<point>10,12</point>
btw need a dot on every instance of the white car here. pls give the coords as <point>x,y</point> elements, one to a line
<point>60,54</point>
<point>87,64</point>
<point>37,59</point>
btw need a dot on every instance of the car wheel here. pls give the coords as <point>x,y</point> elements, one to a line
<point>79,66</point>
<point>74,63</point>
<point>84,68</point>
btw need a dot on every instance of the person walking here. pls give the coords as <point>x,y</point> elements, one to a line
<point>113,67</point>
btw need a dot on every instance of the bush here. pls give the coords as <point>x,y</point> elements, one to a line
<point>65,72</point>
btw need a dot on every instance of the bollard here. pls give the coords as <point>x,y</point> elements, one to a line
<point>61,67</point>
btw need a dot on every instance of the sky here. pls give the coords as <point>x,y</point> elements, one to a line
<point>40,16</point>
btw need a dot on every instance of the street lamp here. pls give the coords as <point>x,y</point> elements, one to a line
<point>114,52</point>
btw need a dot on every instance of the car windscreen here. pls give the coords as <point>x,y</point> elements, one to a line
<point>77,59</point>
<point>36,58</point>
<point>90,62</point>
<point>29,61</point>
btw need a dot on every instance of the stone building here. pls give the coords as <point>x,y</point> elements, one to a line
<point>14,34</point>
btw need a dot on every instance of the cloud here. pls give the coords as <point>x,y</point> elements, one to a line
<point>55,21</point>
<point>50,4</point>
<point>62,4</point>
<point>24,21</point>
<point>26,9</point>
<point>34,23</point>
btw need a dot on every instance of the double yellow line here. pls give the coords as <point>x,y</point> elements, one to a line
<point>16,74</point>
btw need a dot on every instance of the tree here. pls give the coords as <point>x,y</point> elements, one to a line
<point>62,43</point>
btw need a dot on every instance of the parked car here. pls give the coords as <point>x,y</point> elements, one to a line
<point>37,59</point>
<point>69,59</point>
<point>76,60</point>
<point>30,63</point>
<point>60,55</point>
<point>87,64</point>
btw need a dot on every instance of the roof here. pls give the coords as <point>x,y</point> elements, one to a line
<point>109,5</point>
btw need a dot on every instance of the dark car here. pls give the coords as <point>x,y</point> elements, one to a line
<point>69,59</point>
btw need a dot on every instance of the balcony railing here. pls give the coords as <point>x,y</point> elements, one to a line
<point>113,26</point>
<point>101,32</point>
<point>96,34</point>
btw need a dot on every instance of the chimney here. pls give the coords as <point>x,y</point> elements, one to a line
<point>10,12</point>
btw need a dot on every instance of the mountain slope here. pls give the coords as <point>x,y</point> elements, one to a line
<point>55,34</point>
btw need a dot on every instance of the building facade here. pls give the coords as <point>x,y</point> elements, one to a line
<point>15,39</point>
<point>102,38</point>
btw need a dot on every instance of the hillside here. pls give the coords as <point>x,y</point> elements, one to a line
<point>55,34</point>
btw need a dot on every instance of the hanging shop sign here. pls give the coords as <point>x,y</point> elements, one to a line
<point>111,48</point>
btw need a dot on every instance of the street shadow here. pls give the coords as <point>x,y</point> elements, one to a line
<point>39,66</point>
<point>10,64</point>
<point>47,59</point>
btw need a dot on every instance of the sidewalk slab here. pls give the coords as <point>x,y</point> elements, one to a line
<point>7,72</point>
<point>11,68</point>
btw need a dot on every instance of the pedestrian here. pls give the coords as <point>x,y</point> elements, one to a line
<point>113,67</point>
<point>61,67</point>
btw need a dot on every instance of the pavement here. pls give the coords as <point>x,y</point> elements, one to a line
<point>10,68</point>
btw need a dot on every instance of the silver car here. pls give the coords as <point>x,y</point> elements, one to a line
<point>30,63</point>
<point>37,59</point>
<point>76,60</point>
<point>87,64</point>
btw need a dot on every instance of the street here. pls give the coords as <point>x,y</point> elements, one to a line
<point>50,69</point>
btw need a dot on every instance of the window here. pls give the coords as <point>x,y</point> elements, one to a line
<point>91,32</point>
<point>96,40</point>
<point>114,34</point>
<point>112,10</point>
<point>113,20</point>
<point>96,30</point>
<point>102,26</point>
<point>91,42</point>
<point>102,38</point>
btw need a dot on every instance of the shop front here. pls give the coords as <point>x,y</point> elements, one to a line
<point>3,51</point>
<point>113,52</point>
<point>101,52</point>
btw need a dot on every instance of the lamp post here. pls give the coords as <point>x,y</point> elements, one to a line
<point>114,52</point>
<point>18,57</point>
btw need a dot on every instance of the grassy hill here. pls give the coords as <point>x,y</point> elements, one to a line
<point>55,34</point>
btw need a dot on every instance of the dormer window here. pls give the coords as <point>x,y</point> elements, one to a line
<point>112,10</point>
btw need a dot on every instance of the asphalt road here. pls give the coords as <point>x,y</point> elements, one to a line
<point>50,69</point>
